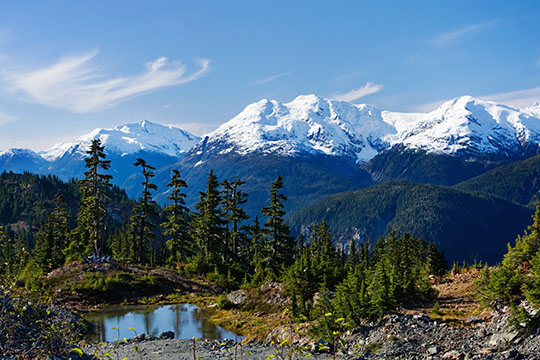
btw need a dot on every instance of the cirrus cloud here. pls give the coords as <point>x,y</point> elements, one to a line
<point>449,37</point>
<point>75,83</point>
<point>355,94</point>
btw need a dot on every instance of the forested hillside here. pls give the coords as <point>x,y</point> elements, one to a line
<point>518,182</point>
<point>26,199</point>
<point>463,225</point>
<point>419,166</point>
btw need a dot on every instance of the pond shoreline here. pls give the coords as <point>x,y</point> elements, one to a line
<point>180,321</point>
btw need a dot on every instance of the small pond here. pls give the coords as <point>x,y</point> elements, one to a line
<point>186,320</point>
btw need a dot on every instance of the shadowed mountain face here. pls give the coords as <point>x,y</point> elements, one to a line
<point>464,226</point>
<point>518,182</point>
<point>306,179</point>
<point>422,167</point>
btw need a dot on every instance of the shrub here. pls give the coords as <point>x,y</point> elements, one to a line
<point>224,303</point>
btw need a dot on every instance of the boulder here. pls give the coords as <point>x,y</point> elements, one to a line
<point>166,335</point>
<point>237,297</point>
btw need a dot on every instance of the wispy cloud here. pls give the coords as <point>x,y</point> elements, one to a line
<point>449,37</point>
<point>5,118</point>
<point>269,79</point>
<point>355,94</point>
<point>75,83</point>
<point>519,98</point>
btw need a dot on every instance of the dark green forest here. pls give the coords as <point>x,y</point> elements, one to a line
<point>463,225</point>
<point>518,182</point>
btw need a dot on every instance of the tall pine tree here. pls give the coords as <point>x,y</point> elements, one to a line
<point>207,225</point>
<point>233,198</point>
<point>95,191</point>
<point>281,243</point>
<point>142,228</point>
<point>53,238</point>
<point>177,229</point>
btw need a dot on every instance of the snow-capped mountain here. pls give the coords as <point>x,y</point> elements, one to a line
<point>315,125</point>
<point>343,146</point>
<point>19,160</point>
<point>127,139</point>
<point>160,145</point>
<point>308,124</point>
<point>468,126</point>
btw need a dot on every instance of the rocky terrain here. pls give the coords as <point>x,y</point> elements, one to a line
<point>395,336</point>
<point>460,329</point>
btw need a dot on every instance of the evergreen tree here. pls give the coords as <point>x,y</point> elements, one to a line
<point>259,252</point>
<point>381,298</point>
<point>177,229</point>
<point>53,239</point>
<point>142,228</point>
<point>233,198</point>
<point>207,225</point>
<point>325,257</point>
<point>526,246</point>
<point>7,256</point>
<point>281,242</point>
<point>436,261</point>
<point>352,256</point>
<point>352,301</point>
<point>121,245</point>
<point>94,189</point>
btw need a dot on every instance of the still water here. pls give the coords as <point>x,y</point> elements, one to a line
<point>186,320</point>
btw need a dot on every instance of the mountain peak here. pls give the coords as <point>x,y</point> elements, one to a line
<point>311,124</point>
<point>18,152</point>
<point>130,138</point>
<point>307,125</point>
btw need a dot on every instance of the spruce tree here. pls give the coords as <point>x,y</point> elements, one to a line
<point>380,290</point>
<point>436,261</point>
<point>352,256</point>
<point>177,229</point>
<point>281,243</point>
<point>207,225</point>
<point>326,259</point>
<point>7,256</point>
<point>94,190</point>
<point>141,225</point>
<point>53,238</point>
<point>233,198</point>
<point>352,300</point>
<point>259,252</point>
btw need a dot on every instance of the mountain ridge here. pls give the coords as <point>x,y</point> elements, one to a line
<point>463,126</point>
<point>462,138</point>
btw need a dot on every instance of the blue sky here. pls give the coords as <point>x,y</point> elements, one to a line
<point>67,67</point>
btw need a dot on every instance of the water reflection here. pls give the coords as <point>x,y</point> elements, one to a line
<point>186,320</point>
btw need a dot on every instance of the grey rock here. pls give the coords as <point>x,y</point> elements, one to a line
<point>166,335</point>
<point>237,297</point>
<point>502,339</point>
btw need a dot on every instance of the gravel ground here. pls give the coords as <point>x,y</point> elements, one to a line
<point>183,349</point>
